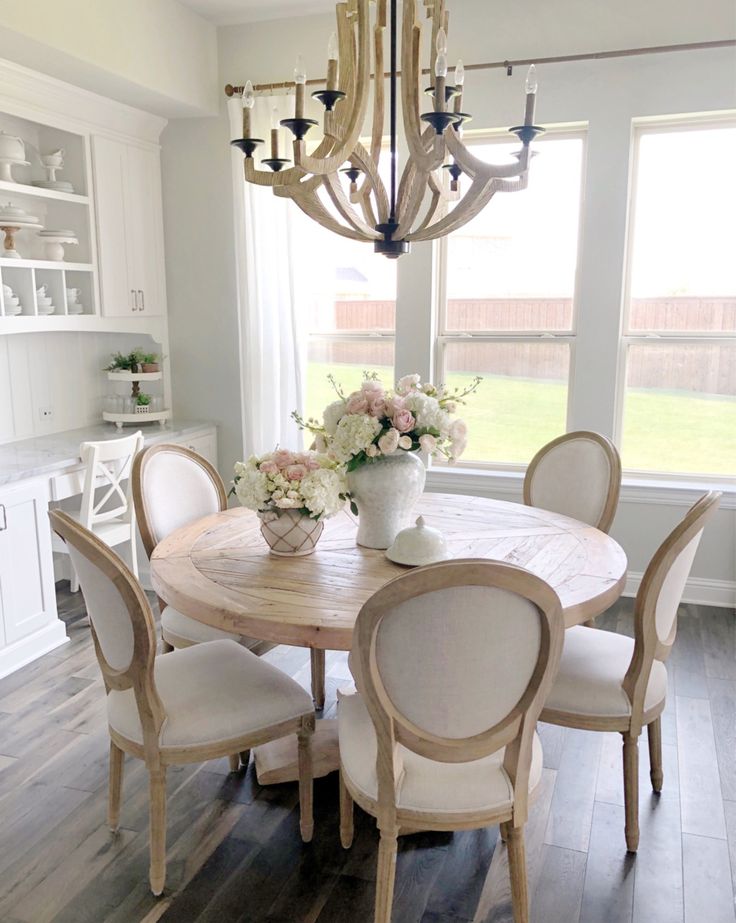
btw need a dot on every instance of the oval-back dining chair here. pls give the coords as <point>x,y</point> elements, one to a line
<point>578,475</point>
<point>200,703</point>
<point>610,682</point>
<point>452,665</point>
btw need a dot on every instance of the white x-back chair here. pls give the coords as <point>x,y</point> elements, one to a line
<point>610,682</point>
<point>201,703</point>
<point>107,504</point>
<point>578,475</point>
<point>452,664</point>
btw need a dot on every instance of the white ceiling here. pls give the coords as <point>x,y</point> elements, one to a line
<point>226,12</point>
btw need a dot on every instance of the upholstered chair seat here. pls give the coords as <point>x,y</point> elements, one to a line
<point>179,630</point>
<point>591,675</point>
<point>212,693</point>
<point>427,785</point>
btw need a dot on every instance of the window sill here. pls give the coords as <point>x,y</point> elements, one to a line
<point>634,489</point>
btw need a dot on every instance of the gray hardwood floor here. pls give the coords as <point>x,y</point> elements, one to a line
<point>234,852</point>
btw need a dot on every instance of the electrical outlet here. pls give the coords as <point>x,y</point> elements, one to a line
<point>45,412</point>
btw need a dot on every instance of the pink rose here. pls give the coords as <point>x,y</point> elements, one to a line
<point>403,420</point>
<point>312,463</point>
<point>269,467</point>
<point>357,403</point>
<point>295,472</point>
<point>427,443</point>
<point>377,405</point>
<point>405,443</point>
<point>458,430</point>
<point>389,442</point>
<point>371,387</point>
<point>407,384</point>
<point>283,457</point>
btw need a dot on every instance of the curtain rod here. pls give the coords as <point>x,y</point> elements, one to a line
<point>231,90</point>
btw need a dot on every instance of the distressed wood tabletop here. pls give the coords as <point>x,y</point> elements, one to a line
<point>219,569</point>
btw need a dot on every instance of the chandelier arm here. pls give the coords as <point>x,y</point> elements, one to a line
<point>411,200</point>
<point>475,168</point>
<point>378,95</point>
<point>365,162</point>
<point>341,203</point>
<point>437,208</point>
<point>480,192</point>
<point>314,209</point>
<point>411,72</point>
<point>330,164</point>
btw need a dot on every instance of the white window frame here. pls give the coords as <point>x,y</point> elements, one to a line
<point>443,337</point>
<point>642,127</point>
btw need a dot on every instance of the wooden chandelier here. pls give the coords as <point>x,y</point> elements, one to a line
<point>427,201</point>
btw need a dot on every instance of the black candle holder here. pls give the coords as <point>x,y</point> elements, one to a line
<point>460,119</point>
<point>328,98</point>
<point>247,145</point>
<point>352,173</point>
<point>450,92</point>
<point>454,170</point>
<point>439,120</point>
<point>526,133</point>
<point>276,163</point>
<point>298,127</point>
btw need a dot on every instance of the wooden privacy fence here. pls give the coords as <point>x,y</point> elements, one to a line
<point>704,367</point>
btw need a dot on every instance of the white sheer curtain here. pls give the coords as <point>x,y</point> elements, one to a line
<point>273,343</point>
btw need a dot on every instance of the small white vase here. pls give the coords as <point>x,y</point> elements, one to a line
<point>385,492</point>
<point>289,533</point>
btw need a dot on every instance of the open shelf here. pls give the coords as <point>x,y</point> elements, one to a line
<point>6,263</point>
<point>40,193</point>
<point>151,416</point>
<point>134,376</point>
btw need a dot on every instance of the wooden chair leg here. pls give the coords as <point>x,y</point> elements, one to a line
<point>116,787</point>
<point>656,774</point>
<point>317,658</point>
<point>73,579</point>
<point>244,758</point>
<point>517,873</point>
<point>589,623</point>
<point>234,759</point>
<point>157,829</point>
<point>134,555</point>
<point>346,815</point>
<point>631,790</point>
<point>503,830</point>
<point>386,875</point>
<point>306,783</point>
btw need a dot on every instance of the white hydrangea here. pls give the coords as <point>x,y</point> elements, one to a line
<point>321,491</point>
<point>427,411</point>
<point>251,488</point>
<point>354,433</point>
<point>331,416</point>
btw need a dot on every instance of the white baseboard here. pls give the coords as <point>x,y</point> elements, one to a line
<point>25,651</point>
<point>698,590</point>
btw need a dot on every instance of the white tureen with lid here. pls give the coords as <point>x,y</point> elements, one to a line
<point>418,545</point>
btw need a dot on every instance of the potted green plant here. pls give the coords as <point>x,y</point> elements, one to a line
<point>142,402</point>
<point>150,362</point>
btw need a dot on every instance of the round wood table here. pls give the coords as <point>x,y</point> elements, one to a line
<point>219,570</point>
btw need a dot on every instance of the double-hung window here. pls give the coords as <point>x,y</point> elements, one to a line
<point>679,343</point>
<point>507,286</point>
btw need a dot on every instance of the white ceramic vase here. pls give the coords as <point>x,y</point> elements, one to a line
<point>385,492</point>
<point>289,533</point>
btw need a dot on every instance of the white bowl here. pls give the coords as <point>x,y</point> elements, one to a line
<point>43,301</point>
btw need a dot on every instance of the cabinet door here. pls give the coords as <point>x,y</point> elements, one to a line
<point>143,225</point>
<point>206,446</point>
<point>111,195</point>
<point>27,595</point>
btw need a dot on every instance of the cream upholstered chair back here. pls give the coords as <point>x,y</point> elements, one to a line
<point>122,623</point>
<point>173,486</point>
<point>660,594</point>
<point>454,661</point>
<point>108,465</point>
<point>578,475</point>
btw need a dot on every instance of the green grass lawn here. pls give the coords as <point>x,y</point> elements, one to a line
<point>510,418</point>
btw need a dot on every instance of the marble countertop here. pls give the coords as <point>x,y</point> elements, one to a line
<point>49,454</point>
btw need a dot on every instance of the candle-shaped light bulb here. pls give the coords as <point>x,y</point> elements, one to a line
<point>332,62</point>
<point>441,41</point>
<point>531,95</point>
<point>300,79</point>
<point>440,62</point>
<point>459,73</point>
<point>249,99</point>
<point>275,125</point>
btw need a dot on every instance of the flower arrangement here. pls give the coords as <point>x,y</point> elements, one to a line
<point>374,422</point>
<point>310,483</point>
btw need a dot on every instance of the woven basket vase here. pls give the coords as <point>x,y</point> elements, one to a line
<point>290,533</point>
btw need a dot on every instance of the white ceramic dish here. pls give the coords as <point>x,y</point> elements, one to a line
<point>46,309</point>
<point>418,545</point>
<point>75,308</point>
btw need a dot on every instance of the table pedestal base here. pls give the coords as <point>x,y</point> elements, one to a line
<point>277,761</point>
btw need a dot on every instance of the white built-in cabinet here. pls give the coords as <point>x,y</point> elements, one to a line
<point>28,620</point>
<point>128,198</point>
